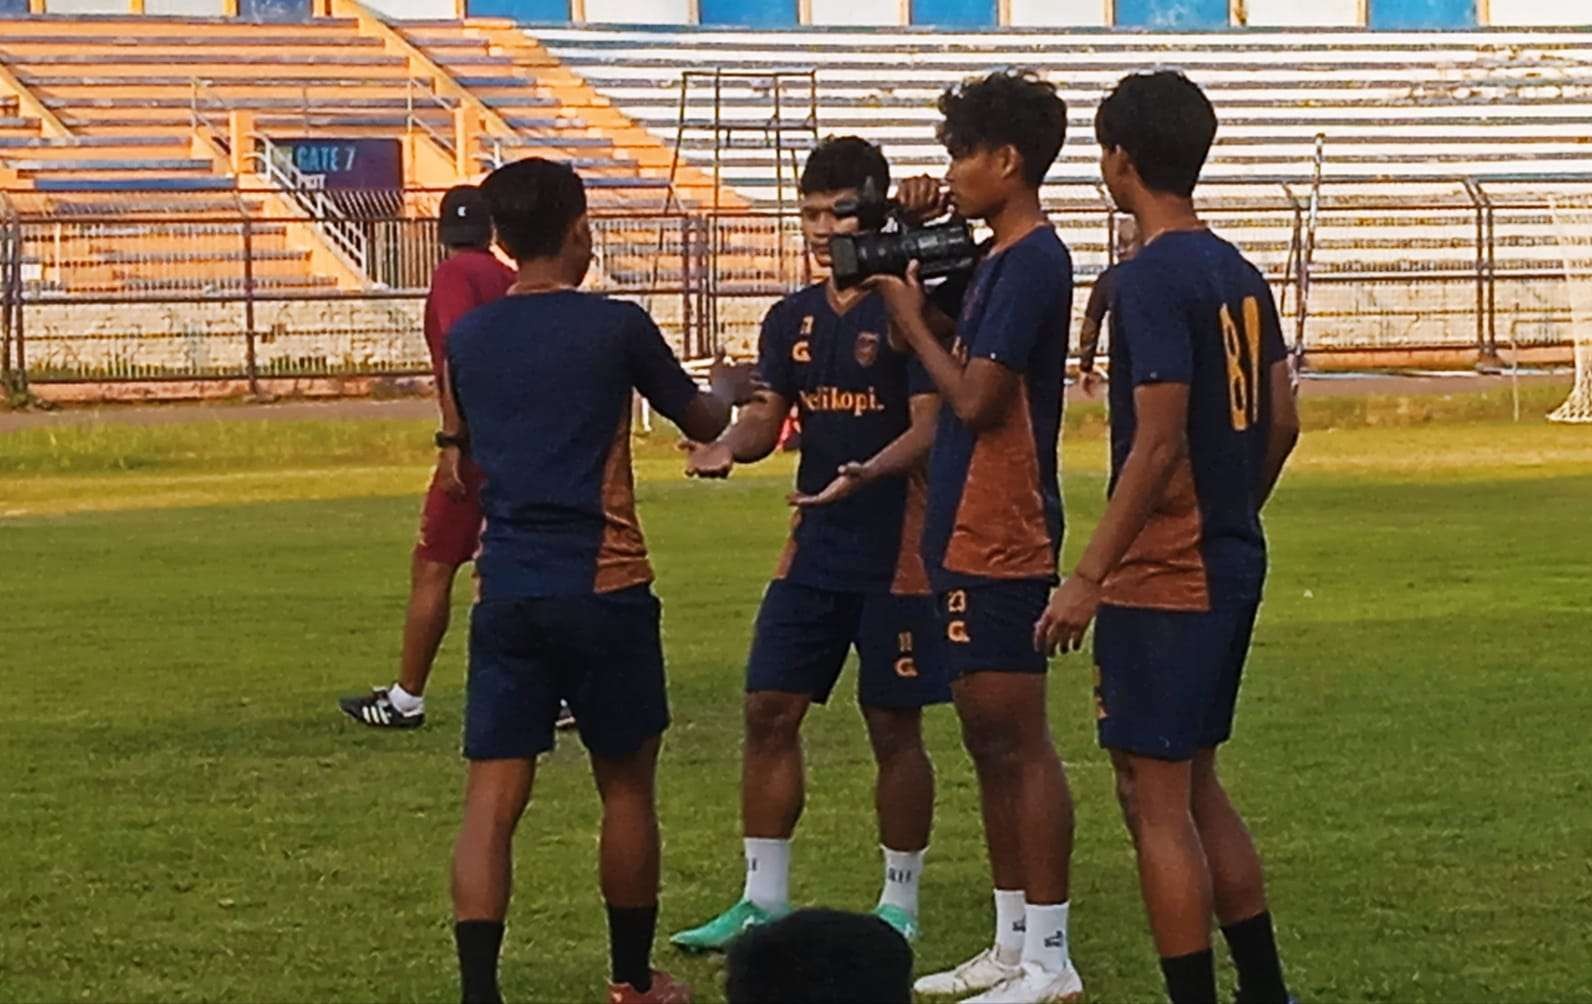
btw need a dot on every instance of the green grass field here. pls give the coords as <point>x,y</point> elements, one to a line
<point>185,817</point>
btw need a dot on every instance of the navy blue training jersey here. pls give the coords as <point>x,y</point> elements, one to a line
<point>994,496</point>
<point>851,391</point>
<point>545,382</point>
<point>1191,309</point>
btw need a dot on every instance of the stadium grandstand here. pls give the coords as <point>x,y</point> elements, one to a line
<point>208,191</point>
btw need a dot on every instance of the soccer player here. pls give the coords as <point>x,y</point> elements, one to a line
<point>851,575</point>
<point>994,521</point>
<point>544,381</point>
<point>450,521</point>
<point>1094,313</point>
<point>1202,420</point>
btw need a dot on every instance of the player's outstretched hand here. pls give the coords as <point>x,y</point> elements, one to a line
<point>922,198</point>
<point>707,460</point>
<point>1066,618</point>
<point>848,479</point>
<point>448,463</point>
<point>902,295</point>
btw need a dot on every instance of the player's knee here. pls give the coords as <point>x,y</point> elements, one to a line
<point>773,722</point>
<point>991,746</point>
<point>895,735</point>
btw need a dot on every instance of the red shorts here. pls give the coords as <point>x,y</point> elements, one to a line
<point>450,528</point>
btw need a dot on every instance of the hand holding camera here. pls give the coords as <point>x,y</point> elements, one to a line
<point>889,239</point>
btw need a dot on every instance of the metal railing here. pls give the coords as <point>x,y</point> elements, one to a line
<point>124,290</point>
<point>421,95</point>
<point>342,234</point>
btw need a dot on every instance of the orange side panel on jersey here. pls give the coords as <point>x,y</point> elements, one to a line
<point>1000,530</point>
<point>787,557</point>
<point>1165,569</point>
<point>622,554</point>
<point>911,577</point>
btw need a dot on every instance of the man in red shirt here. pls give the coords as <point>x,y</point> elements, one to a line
<point>450,523</point>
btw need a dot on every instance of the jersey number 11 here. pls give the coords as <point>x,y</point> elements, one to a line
<point>1243,383</point>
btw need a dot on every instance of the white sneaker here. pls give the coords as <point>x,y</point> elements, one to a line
<point>1033,984</point>
<point>981,972</point>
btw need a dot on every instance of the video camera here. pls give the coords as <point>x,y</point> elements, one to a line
<point>940,249</point>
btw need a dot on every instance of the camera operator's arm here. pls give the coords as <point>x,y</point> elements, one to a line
<point>900,456</point>
<point>979,393</point>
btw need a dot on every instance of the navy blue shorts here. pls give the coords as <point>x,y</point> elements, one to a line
<point>990,628</point>
<point>600,652</point>
<point>804,633</point>
<point>1167,681</point>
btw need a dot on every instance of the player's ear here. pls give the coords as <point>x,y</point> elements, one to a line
<point>1009,161</point>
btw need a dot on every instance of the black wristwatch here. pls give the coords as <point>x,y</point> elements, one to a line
<point>444,440</point>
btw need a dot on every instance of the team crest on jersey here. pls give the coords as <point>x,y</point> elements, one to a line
<point>867,349</point>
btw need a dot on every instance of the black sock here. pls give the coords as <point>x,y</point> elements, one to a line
<point>630,931</point>
<point>1191,979</point>
<point>479,942</point>
<point>1254,949</point>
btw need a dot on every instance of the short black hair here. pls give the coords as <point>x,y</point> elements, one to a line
<point>533,203</point>
<point>842,162</point>
<point>1015,108</point>
<point>820,957</point>
<point>1165,123</point>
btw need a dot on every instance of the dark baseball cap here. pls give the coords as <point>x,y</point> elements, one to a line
<point>463,219</point>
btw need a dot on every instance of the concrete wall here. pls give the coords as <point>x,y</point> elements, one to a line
<point>1293,14</point>
<point>1058,13</point>
<point>1541,12</point>
<point>638,11</point>
<point>856,12</point>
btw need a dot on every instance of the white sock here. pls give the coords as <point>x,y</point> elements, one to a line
<point>1010,923</point>
<point>901,872</point>
<point>404,701</point>
<point>1045,941</point>
<point>767,873</point>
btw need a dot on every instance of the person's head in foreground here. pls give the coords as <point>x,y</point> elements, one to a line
<point>820,957</point>
<point>539,211</point>
<point>463,222</point>
<point>838,168</point>
<point>1003,132</point>
<point>1155,131</point>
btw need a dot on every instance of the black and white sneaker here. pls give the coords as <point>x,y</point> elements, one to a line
<point>376,710</point>
<point>566,717</point>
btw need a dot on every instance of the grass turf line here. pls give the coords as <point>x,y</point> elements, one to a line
<point>188,819</point>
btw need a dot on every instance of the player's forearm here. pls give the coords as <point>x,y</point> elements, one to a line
<point>756,431</point>
<point>705,417</point>
<point>452,420</point>
<point>1088,344</point>
<point>1145,476</point>
<point>1279,447</point>
<point>907,452</point>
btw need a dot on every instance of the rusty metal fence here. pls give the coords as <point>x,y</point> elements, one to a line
<point>115,288</point>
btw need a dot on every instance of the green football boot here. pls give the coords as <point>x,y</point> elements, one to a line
<point>904,923</point>
<point>716,934</point>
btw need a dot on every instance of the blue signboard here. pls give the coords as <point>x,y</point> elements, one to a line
<point>1390,15</point>
<point>955,13</point>
<point>1164,14</point>
<point>748,13</point>
<point>345,163</point>
<point>524,11</point>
